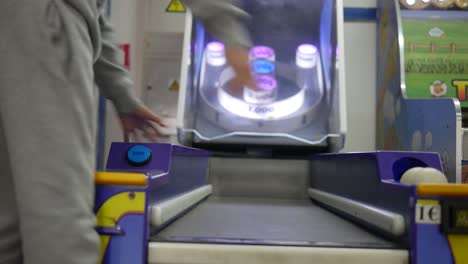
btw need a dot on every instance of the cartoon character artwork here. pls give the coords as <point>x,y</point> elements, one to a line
<point>438,89</point>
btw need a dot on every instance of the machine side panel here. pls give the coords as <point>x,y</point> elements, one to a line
<point>358,176</point>
<point>172,170</point>
<point>122,213</point>
<point>418,130</point>
<point>186,151</point>
<point>429,244</point>
<point>338,174</point>
<point>392,165</point>
<point>186,174</point>
<point>410,124</point>
<point>122,209</point>
<point>372,178</point>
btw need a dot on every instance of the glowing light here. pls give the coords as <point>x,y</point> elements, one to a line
<point>265,91</point>
<point>265,83</point>
<point>262,52</point>
<point>272,111</point>
<point>443,4</point>
<point>306,56</point>
<point>416,4</point>
<point>263,67</point>
<point>215,54</point>
<point>259,97</point>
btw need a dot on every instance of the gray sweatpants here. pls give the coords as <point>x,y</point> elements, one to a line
<point>48,104</point>
<point>52,52</point>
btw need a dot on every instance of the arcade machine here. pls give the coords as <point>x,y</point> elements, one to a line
<point>248,183</point>
<point>423,79</point>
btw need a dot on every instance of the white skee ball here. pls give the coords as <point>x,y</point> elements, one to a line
<point>420,175</point>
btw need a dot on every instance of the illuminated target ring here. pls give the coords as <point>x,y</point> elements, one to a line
<point>270,111</point>
<point>286,99</point>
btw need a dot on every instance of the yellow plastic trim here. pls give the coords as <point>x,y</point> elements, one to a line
<point>442,190</point>
<point>459,245</point>
<point>116,207</point>
<point>119,178</point>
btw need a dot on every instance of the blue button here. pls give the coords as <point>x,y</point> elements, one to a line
<point>138,155</point>
<point>263,67</point>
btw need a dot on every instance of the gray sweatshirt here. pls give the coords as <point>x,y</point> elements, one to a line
<point>221,17</point>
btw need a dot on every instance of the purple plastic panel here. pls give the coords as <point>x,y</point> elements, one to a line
<point>367,177</point>
<point>161,156</point>
<point>186,151</point>
<point>185,174</point>
<point>132,247</point>
<point>128,238</point>
<point>157,179</point>
<point>428,243</point>
<point>431,246</point>
<point>406,160</point>
<point>172,170</point>
<point>370,177</point>
<point>373,179</point>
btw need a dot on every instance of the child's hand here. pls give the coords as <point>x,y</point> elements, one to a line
<point>141,119</point>
<point>238,58</point>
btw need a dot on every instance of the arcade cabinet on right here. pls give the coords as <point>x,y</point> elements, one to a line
<point>422,78</point>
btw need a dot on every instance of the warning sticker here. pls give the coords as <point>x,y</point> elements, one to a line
<point>174,85</point>
<point>175,6</point>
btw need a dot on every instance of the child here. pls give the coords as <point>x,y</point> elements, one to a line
<point>52,54</point>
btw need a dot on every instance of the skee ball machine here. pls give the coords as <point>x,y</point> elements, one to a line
<point>251,181</point>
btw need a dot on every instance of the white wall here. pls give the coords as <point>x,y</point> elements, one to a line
<point>158,20</point>
<point>360,3</point>
<point>156,38</point>
<point>360,49</point>
<point>129,28</point>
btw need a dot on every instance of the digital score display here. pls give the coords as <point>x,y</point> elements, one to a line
<point>461,218</point>
<point>455,217</point>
